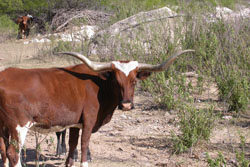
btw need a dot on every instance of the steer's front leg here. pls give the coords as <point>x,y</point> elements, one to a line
<point>3,152</point>
<point>88,124</point>
<point>73,140</point>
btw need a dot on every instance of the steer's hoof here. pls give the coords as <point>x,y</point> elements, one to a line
<point>64,150</point>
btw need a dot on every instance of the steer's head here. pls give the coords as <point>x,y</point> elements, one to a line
<point>126,74</point>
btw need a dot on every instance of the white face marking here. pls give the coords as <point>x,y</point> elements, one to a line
<point>126,68</point>
<point>84,164</point>
<point>22,132</point>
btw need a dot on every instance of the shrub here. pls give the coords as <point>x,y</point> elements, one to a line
<point>60,46</point>
<point>195,125</point>
<point>222,52</point>
<point>233,89</point>
<point>217,162</point>
<point>240,156</point>
<point>220,161</point>
<point>8,29</point>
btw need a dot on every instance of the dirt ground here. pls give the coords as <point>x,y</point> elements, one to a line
<point>136,138</point>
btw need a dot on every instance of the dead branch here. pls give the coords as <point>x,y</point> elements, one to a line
<point>63,18</point>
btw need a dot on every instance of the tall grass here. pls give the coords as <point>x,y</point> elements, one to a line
<point>222,50</point>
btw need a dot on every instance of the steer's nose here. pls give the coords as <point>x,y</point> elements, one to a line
<point>126,106</point>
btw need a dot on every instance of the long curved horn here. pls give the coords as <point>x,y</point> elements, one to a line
<point>95,66</point>
<point>165,65</point>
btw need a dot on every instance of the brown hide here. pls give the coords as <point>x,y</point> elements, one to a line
<point>62,96</point>
<point>24,26</point>
<point>54,96</point>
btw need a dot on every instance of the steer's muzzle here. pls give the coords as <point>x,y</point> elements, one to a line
<point>126,106</point>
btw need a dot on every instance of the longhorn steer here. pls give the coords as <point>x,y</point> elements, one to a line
<point>24,26</point>
<point>81,96</point>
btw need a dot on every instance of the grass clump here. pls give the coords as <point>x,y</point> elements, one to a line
<point>195,125</point>
<point>241,159</point>
<point>240,155</point>
<point>217,162</point>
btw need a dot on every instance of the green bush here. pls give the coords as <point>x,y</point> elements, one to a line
<point>195,125</point>
<point>240,155</point>
<point>162,91</point>
<point>66,46</point>
<point>15,7</point>
<point>217,162</point>
<point>233,89</point>
<point>222,52</point>
<point>8,29</point>
<point>6,24</point>
<point>241,159</point>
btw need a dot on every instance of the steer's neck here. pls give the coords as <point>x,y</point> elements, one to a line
<point>109,100</point>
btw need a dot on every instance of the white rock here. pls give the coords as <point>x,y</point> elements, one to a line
<point>227,117</point>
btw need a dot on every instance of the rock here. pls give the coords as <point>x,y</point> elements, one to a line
<point>85,32</point>
<point>120,149</point>
<point>138,32</point>
<point>228,14</point>
<point>227,117</point>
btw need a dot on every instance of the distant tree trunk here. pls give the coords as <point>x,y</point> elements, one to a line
<point>49,10</point>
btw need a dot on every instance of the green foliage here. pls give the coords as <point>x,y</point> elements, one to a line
<point>12,7</point>
<point>8,29</point>
<point>126,8</point>
<point>121,8</point>
<point>241,159</point>
<point>163,93</point>
<point>65,46</point>
<point>222,52</point>
<point>6,24</point>
<point>217,162</point>
<point>226,3</point>
<point>240,156</point>
<point>233,89</point>
<point>15,144</point>
<point>35,6</point>
<point>195,125</point>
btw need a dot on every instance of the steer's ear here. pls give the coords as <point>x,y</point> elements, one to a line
<point>105,75</point>
<point>143,75</point>
<point>19,20</point>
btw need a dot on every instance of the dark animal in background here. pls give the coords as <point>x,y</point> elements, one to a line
<point>61,146</point>
<point>82,96</point>
<point>24,23</point>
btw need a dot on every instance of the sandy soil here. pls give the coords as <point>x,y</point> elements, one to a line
<point>136,138</point>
